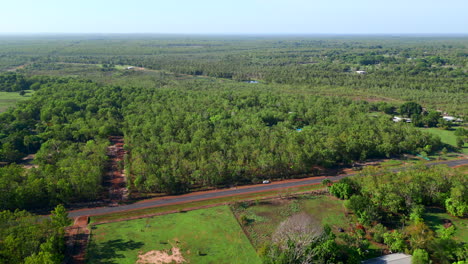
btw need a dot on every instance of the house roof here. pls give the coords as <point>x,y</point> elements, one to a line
<point>397,258</point>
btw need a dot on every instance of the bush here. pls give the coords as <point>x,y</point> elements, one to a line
<point>378,233</point>
<point>341,190</point>
<point>456,208</point>
<point>395,241</point>
<point>420,256</point>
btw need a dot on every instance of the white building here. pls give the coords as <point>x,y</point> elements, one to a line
<point>401,119</point>
<point>397,258</point>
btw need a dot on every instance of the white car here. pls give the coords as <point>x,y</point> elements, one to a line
<point>266,182</point>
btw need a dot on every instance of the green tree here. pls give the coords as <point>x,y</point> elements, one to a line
<point>59,217</point>
<point>420,256</point>
<point>457,204</point>
<point>395,241</point>
<point>410,108</point>
<point>341,190</point>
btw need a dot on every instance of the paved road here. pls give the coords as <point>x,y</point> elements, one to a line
<point>221,193</point>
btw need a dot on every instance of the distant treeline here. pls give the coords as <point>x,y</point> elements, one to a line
<point>429,70</point>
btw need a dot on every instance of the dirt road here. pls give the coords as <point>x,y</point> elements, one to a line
<point>115,180</point>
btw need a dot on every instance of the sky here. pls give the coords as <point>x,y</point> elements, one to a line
<point>235,16</point>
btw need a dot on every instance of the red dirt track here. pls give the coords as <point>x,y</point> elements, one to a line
<point>76,238</point>
<point>115,176</point>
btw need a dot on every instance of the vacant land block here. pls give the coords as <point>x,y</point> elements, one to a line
<point>201,236</point>
<point>262,219</point>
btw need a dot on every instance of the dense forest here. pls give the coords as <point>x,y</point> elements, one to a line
<point>183,136</point>
<point>183,132</point>
<point>31,239</point>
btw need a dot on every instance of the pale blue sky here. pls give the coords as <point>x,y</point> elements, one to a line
<point>234,17</point>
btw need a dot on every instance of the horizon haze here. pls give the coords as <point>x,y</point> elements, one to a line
<point>258,17</point>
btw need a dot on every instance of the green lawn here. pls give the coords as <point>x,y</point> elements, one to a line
<point>203,236</point>
<point>447,136</point>
<point>434,217</point>
<point>8,99</point>
<point>265,216</point>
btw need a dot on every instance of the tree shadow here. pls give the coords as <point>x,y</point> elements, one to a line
<point>432,219</point>
<point>107,252</point>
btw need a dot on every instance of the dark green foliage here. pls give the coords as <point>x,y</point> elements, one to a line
<point>12,82</point>
<point>205,132</point>
<point>461,132</point>
<point>344,188</point>
<point>59,217</point>
<point>365,210</point>
<point>397,201</point>
<point>188,135</point>
<point>188,132</point>
<point>27,238</point>
<point>410,109</point>
<point>378,232</point>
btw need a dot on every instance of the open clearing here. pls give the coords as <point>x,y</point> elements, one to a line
<point>264,217</point>
<point>447,136</point>
<point>8,99</point>
<point>202,236</point>
<point>435,217</point>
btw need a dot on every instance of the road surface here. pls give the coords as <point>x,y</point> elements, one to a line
<point>222,193</point>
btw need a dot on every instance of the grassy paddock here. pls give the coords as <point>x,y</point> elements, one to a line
<point>434,217</point>
<point>264,217</point>
<point>203,236</point>
<point>9,99</point>
<point>447,137</point>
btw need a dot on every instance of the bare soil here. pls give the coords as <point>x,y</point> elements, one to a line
<point>115,178</point>
<point>77,237</point>
<point>160,257</point>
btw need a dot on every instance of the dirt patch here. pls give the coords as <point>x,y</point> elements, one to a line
<point>161,257</point>
<point>447,223</point>
<point>115,179</point>
<point>77,237</point>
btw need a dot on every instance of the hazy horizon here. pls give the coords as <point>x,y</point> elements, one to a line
<point>254,17</point>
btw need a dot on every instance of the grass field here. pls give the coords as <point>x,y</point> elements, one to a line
<point>434,218</point>
<point>447,136</point>
<point>8,99</point>
<point>265,216</point>
<point>203,236</point>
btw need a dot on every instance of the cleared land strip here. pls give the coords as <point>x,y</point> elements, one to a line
<point>170,200</point>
